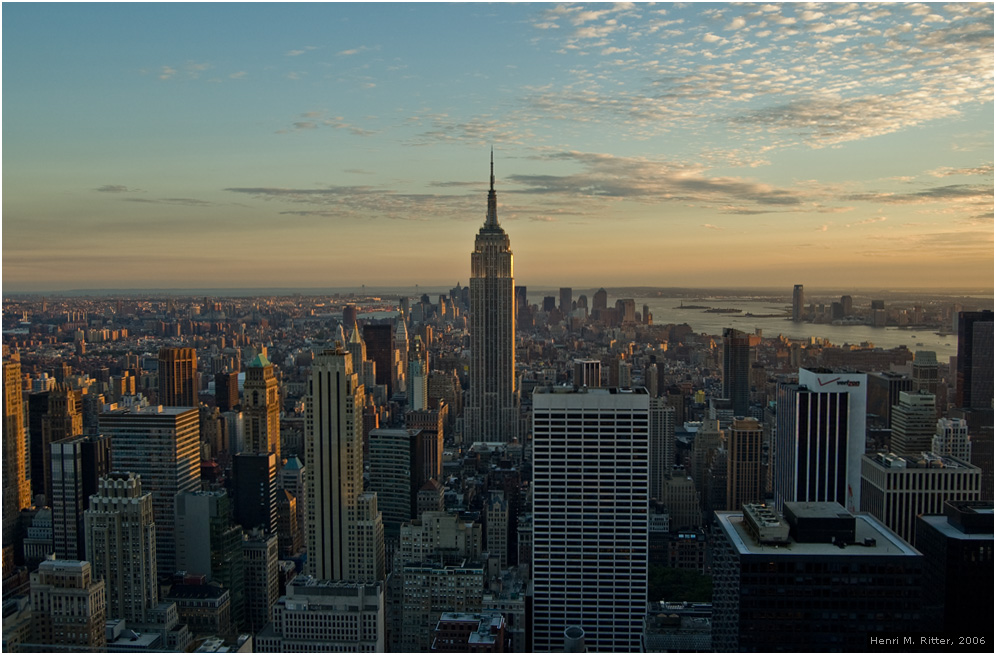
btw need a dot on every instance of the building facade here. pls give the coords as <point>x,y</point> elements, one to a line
<point>318,616</point>
<point>261,408</point>
<point>178,377</point>
<point>897,489</point>
<point>345,532</point>
<point>159,444</point>
<point>492,413</point>
<point>121,546</point>
<point>68,607</point>
<point>590,526</point>
<point>766,570</point>
<point>820,438</point>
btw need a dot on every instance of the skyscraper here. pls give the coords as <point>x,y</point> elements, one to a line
<point>913,424</point>
<point>736,370</point>
<point>16,490</point>
<point>160,444</point>
<point>379,340</point>
<point>345,530</point>
<point>974,382</point>
<point>565,301</point>
<point>798,303</point>
<point>491,413</point>
<point>178,377</point>
<point>418,375</point>
<point>662,445</point>
<point>743,464</point>
<point>77,464</point>
<point>399,356</point>
<point>261,408</point>
<point>62,421</point>
<point>817,604</point>
<point>820,438</point>
<point>121,546</point>
<point>226,390</point>
<point>590,525</point>
<point>926,378</point>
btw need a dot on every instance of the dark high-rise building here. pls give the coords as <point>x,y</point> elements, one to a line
<point>744,483</point>
<point>492,414</point>
<point>62,421</point>
<point>798,303</point>
<point>926,378</point>
<point>884,388</point>
<point>974,382</point>
<point>379,340</point>
<point>587,373</point>
<point>349,315</point>
<point>521,304</point>
<point>958,568</point>
<point>226,390</point>
<point>788,584</point>
<point>599,300</point>
<point>549,303</point>
<point>736,370</point>
<point>256,491</point>
<point>77,464</point>
<point>178,377</point>
<point>39,449</point>
<point>565,300</point>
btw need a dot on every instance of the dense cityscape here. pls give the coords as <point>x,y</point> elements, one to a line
<point>475,472</point>
<point>735,394</point>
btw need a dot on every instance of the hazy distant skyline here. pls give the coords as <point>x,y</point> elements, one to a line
<point>334,145</point>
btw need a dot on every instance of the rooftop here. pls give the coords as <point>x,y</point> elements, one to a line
<point>883,541</point>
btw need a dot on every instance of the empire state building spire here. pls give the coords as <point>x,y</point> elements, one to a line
<point>492,410</point>
<point>492,220</point>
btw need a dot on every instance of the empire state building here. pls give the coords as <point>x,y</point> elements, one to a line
<point>492,414</point>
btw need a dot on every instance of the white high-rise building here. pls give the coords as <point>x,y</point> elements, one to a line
<point>820,438</point>
<point>418,376</point>
<point>913,423</point>
<point>590,526</point>
<point>951,439</point>
<point>492,414</point>
<point>345,530</point>
<point>121,546</point>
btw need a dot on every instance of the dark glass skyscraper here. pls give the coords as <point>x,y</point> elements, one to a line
<point>736,370</point>
<point>975,360</point>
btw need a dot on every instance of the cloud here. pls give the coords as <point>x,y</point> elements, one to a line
<point>183,202</point>
<point>868,221</point>
<point>115,188</point>
<point>167,72</point>
<point>352,51</point>
<point>608,177</point>
<point>949,193</point>
<point>984,170</point>
<point>825,120</point>
<point>712,227</point>
<point>360,202</point>
<point>238,75</point>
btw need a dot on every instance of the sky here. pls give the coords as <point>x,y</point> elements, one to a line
<point>322,145</point>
